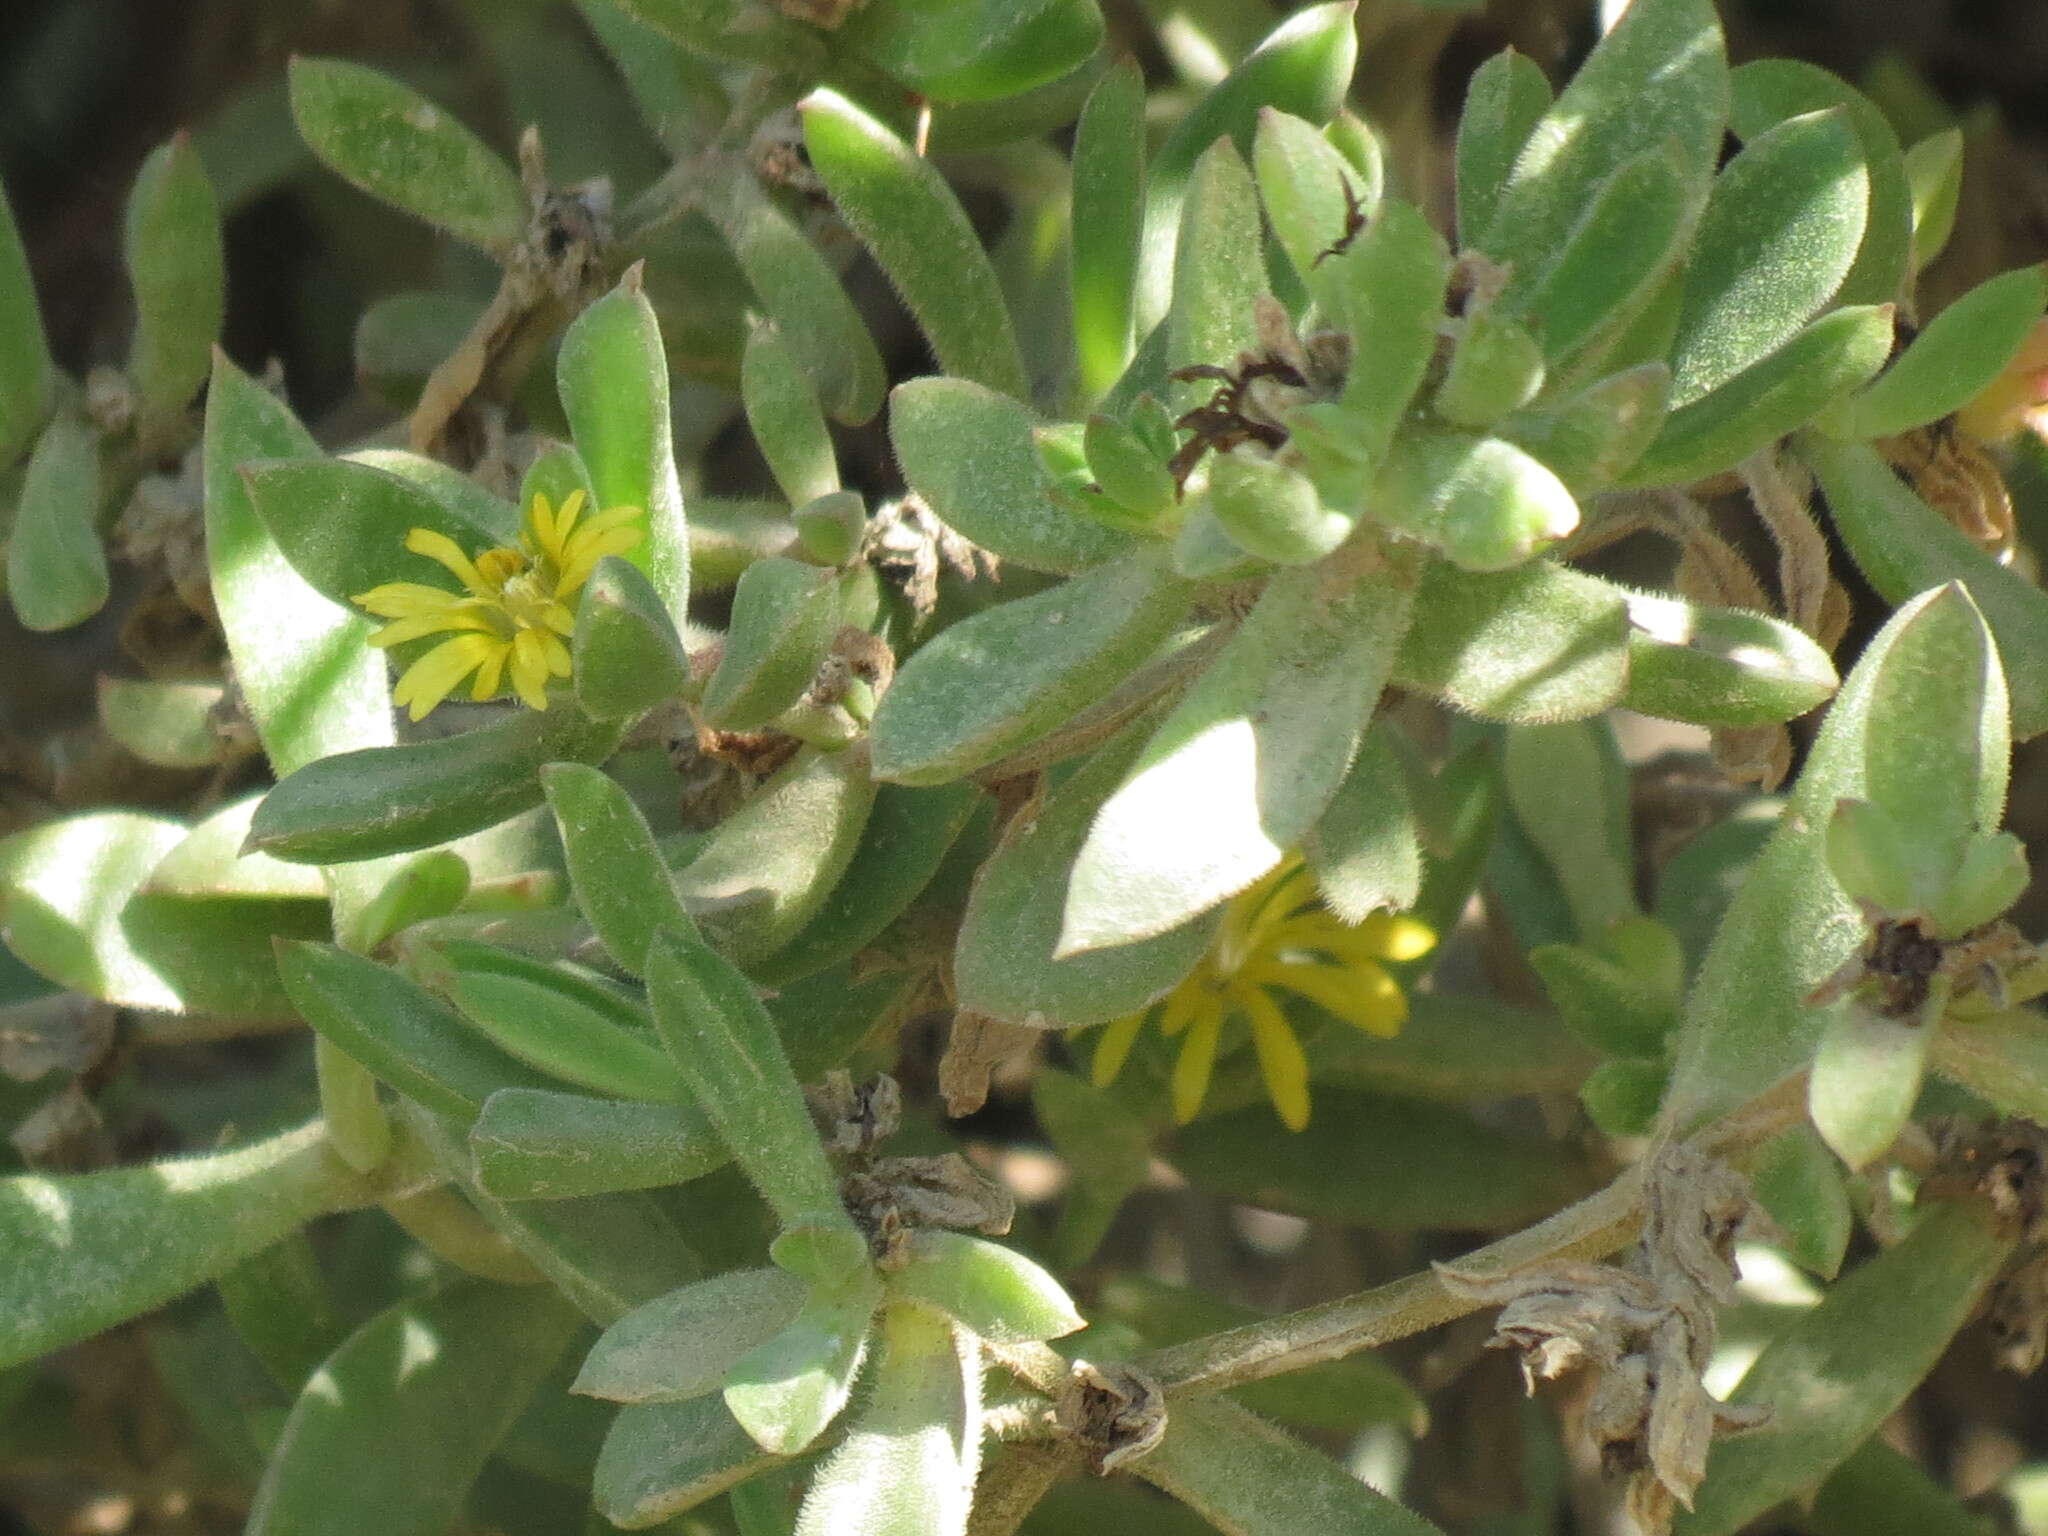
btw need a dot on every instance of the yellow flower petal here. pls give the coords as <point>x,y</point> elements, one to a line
<point>585,554</point>
<point>490,671</point>
<point>434,676</point>
<point>1197,1060</point>
<point>559,619</point>
<point>1113,1046</point>
<point>1281,1060</point>
<point>557,654</point>
<point>1382,936</point>
<point>398,631</point>
<point>530,668</point>
<point>443,550</point>
<point>1362,994</point>
<point>407,599</point>
<point>1182,1004</point>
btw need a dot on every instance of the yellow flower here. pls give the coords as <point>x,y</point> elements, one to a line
<point>1275,936</point>
<point>516,608</point>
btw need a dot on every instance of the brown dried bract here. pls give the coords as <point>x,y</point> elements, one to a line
<point>1647,1327</point>
<point>1905,972</point>
<point>1354,225</point>
<point>1959,479</point>
<point>1113,1413</point>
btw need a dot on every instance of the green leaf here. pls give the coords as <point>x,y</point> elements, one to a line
<point>783,411</point>
<point>66,888</point>
<point>1904,546</point>
<point>627,658</point>
<point>1495,368</point>
<point>1006,964</point>
<point>803,296</point>
<point>1433,1166</point>
<point>1721,666</point>
<point>1525,646</point>
<point>1218,274</point>
<point>1866,1076</point>
<point>1248,1478</point>
<point>1005,677</point>
<point>283,1310</point>
<point>463,497</point>
<point>1769,400</point>
<point>87,1251</point>
<point>422,1393</point>
<point>977,51</point>
<point>1389,283</point>
<point>1302,67</point>
<point>383,800</point>
<point>537,1144</point>
<point>909,1462</point>
<point>430,886</point>
<point>1827,1387</point>
<point>1108,212</point>
<point>1247,761</point>
<point>1559,785</point>
<point>1127,469</point>
<point>769,867</point>
<point>661,1459</point>
<point>1660,74</point>
<point>612,375</point>
<point>398,146</point>
<point>1269,510</point>
<point>571,1029</point>
<point>1934,170</point>
<point>996,1294</point>
<point>343,524</point>
<point>1606,1004</point>
<point>399,1030</point>
<point>1768,91</point>
<point>1799,1184</point>
<point>908,836</point>
<point>1589,439</point>
<point>788,1389</point>
<point>970,453</point>
<point>56,564</point>
<point>1747,1023</point>
<point>681,1345</point>
<point>176,265</point>
<point>1481,500</point>
<point>727,1048</point>
<point>209,861</point>
<point>785,615</point>
<point>1504,100</point>
<point>1938,763</point>
<point>1618,255</point>
<point>905,213</point>
<point>27,377</point>
<point>1778,236</point>
<point>1879,1492</point>
<point>1364,848</point>
<point>1303,185</point>
<point>621,883</point>
<point>310,680</point>
<point>1952,361</point>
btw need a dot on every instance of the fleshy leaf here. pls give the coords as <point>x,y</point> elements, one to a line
<point>909,1462</point>
<point>398,146</point>
<point>1108,212</point>
<point>1903,546</point>
<point>87,1251</point>
<point>662,1459</point>
<point>1504,100</point>
<point>786,1390</point>
<point>682,1344</point>
<point>1779,234</point>
<point>1721,666</point>
<point>1005,677</point>
<point>175,264</point>
<point>621,883</point>
<point>1365,848</point>
<point>1247,761</point>
<point>423,1392</point>
<point>979,51</point>
<point>627,657</point>
<point>1866,1076</point>
<point>26,373</point>
<point>56,564</point>
<point>994,1293</point>
<point>784,617</point>
<point>905,213</point>
<point>969,452</point>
